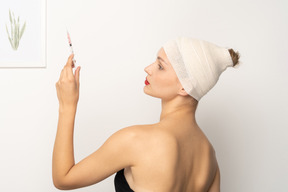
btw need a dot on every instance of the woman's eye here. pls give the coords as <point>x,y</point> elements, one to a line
<point>160,67</point>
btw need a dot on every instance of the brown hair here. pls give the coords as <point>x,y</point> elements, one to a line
<point>235,56</point>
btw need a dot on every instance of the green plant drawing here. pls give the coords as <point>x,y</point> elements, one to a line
<point>15,33</point>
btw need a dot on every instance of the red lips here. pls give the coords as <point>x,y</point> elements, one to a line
<point>146,82</point>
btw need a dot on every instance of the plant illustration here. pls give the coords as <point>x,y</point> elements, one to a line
<point>15,33</point>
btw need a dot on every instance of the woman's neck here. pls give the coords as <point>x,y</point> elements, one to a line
<point>178,106</point>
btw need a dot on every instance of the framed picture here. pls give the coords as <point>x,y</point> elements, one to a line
<point>23,33</point>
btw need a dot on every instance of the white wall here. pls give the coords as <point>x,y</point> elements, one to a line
<point>244,115</point>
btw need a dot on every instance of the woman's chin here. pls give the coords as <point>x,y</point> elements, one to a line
<point>150,94</point>
<point>146,91</point>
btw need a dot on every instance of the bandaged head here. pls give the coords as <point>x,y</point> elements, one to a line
<point>197,63</point>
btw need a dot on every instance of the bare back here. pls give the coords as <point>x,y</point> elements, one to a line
<point>174,161</point>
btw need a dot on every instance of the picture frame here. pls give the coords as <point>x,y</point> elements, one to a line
<point>23,34</point>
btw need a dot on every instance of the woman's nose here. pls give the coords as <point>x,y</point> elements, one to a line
<point>148,69</point>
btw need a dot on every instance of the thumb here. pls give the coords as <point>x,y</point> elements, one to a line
<point>77,74</point>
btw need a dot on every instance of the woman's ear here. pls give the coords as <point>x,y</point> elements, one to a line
<point>183,92</point>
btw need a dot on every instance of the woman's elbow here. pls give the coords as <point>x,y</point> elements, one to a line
<point>58,185</point>
<point>61,184</point>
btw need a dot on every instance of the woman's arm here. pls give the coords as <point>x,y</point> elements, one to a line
<point>116,153</point>
<point>63,153</point>
<point>68,96</point>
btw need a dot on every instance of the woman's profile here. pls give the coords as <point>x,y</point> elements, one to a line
<point>172,155</point>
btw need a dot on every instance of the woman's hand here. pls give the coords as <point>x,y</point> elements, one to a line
<point>68,85</point>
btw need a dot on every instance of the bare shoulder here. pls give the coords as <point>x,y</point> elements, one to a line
<point>156,143</point>
<point>152,134</point>
<point>134,136</point>
<point>133,133</point>
<point>149,138</point>
<point>157,157</point>
<point>146,131</point>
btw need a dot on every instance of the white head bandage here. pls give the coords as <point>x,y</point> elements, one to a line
<point>197,63</point>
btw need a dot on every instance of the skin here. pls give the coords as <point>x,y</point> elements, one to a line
<point>171,155</point>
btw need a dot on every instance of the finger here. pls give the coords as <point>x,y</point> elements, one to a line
<point>69,66</point>
<point>77,75</point>
<point>66,73</point>
<point>62,74</point>
<point>70,60</point>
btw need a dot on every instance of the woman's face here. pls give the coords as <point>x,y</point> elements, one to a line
<point>163,81</point>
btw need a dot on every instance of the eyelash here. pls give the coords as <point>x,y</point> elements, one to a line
<point>160,67</point>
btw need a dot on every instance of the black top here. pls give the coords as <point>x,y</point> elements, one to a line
<point>120,182</point>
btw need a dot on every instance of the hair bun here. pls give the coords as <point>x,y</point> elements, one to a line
<point>235,56</point>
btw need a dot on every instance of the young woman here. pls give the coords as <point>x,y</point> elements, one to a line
<point>173,155</point>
